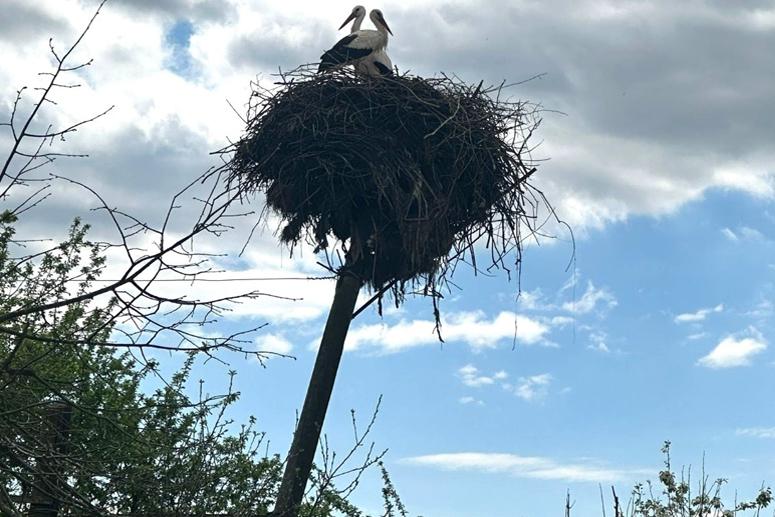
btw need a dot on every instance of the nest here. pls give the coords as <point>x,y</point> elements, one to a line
<point>406,173</point>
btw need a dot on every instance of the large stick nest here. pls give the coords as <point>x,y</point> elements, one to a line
<point>406,173</point>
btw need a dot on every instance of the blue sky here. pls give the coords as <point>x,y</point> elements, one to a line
<point>662,163</point>
<point>675,288</point>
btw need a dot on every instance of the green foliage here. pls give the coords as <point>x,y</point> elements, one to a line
<point>392,503</point>
<point>676,499</point>
<point>186,450</point>
<point>126,451</point>
<point>120,440</point>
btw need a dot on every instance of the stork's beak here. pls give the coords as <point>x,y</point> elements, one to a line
<point>383,22</point>
<point>351,17</point>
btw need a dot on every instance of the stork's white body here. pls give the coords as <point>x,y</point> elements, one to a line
<point>375,64</point>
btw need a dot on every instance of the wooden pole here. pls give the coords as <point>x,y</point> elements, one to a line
<point>321,384</point>
<point>44,501</point>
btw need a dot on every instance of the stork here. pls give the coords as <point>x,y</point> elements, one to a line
<point>363,48</point>
<point>377,63</point>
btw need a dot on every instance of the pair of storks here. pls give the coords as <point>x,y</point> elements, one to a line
<point>362,48</point>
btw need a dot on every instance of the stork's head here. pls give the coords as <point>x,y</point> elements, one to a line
<point>358,12</point>
<point>379,20</point>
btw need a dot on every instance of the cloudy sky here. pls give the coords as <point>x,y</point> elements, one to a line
<point>659,146</point>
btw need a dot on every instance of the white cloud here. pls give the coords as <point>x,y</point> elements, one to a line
<point>584,212</point>
<point>472,377</point>
<point>756,432</point>
<point>472,328</point>
<point>532,388</point>
<point>284,294</point>
<point>732,352</point>
<point>751,233</point>
<point>729,234</point>
<point>590,299</point>
<point>746,178</point>
<point>700,315</point>
<point>743,233</point>
<point>523,466</point>
<point>762,310</point>
<point>469,375</point>
<point>561,321</point>
<point>273,344</point>
<point>598,342</point>
<point>572,281</point>
<point>531,300</point>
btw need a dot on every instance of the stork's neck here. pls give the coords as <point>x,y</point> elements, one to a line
<point>379,25</point>
<point>357,23</point>
<point>381,28</point>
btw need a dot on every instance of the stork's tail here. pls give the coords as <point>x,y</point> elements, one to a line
<point>324,67</point>
<point>383,69</point>
<point>328,61</point>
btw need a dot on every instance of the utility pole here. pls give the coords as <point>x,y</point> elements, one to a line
<point>321,384</point>
<point>44,496</point>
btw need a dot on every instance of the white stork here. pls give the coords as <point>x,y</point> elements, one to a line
<point>377,63</point>
<point>363,48</point>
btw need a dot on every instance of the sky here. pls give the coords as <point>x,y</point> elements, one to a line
<point>657,150</point>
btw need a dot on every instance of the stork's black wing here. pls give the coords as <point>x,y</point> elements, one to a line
<point>341,54</point>
<point>382,68</point>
